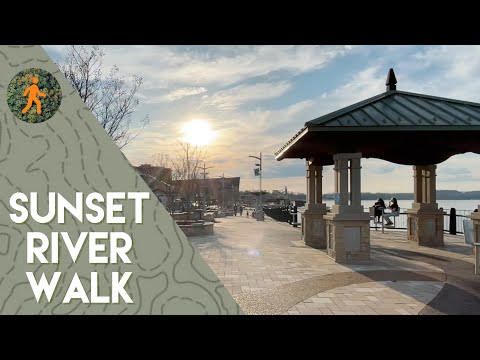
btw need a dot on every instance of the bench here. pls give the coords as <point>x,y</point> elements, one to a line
<point>394,216</point>
<point>373,217</point>
<point>470,240</point>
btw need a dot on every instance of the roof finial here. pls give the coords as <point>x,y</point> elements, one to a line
<point>391,80</point>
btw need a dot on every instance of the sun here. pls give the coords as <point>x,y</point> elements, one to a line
<point>198,132</point>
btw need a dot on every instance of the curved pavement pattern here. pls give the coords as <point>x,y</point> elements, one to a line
<point>282,298</point>
<point>269,270</point>
<point>384,297</point>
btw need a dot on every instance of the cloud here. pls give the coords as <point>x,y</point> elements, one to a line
<point>180,93</point>
<point>244,132</point>
<point>455,174</point>
<point>234,97</point>
<point>259,96</point>
<point>379,167</point>
<point>221,65</point>
<point>449,171</point>
<point>174,95</point>
<point>446,71</point>
<point>459,62</point>
<point>56,52</point>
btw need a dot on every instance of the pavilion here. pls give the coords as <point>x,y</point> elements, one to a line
<point>413,129</point>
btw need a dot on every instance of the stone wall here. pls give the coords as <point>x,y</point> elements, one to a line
<point>348,240</point>
<point>313,230</point>
<point>425,228</point>
<point>194,215</point>
<point>197,229</point>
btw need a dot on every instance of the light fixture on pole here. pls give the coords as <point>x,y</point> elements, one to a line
<point>205,186</point>
<point>258,172</point>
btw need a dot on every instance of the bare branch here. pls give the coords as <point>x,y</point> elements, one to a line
<point>110,98</point>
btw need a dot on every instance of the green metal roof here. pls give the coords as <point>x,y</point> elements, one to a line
<point>399,108</point>
<point>397,126</point>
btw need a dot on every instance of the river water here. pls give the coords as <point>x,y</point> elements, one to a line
<point>467,205</point>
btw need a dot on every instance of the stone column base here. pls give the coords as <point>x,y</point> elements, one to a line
<point>348,237</point>
<point>425,226</point>
<point>475,216</point>
<point>476,252</point>
<point>313,229</point>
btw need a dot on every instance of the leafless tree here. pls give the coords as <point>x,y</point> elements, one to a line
<point>170,185</point>
<point>108,96</point>
<point>161,159</point>
<point>187,166</point>
<point>186,170</point>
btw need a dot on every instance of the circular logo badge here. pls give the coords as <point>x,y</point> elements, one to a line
<point>34,95</point>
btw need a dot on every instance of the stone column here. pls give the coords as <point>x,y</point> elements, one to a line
<point>335,176</point>
<point>432,185</point>
<point>343,181</point>
<point>417,184</point>
<point>310,185</point>
<point>347,171</point>
<point>348,226</point>
<point>425,186</point>
<point>313,224</point>
<point>475,216</point>
<point>318,184</point>
<point>355,183</point>
<point>425,220</point>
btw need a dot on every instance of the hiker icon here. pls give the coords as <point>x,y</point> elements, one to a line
<point>33,91</point>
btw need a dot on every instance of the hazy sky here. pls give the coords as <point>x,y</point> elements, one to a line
<point>257,97</point>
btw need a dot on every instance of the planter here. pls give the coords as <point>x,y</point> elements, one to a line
<point>196,227</point>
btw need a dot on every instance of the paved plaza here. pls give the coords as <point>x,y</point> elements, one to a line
<point>269,270</point>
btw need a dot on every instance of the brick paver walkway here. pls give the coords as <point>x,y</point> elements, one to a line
<point>269,270</point>
<point>385,297</point>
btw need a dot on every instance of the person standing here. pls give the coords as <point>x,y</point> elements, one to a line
<point>235,209</point>
<point>241,210</point>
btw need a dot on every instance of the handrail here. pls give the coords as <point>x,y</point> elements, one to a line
<point>401,223</point>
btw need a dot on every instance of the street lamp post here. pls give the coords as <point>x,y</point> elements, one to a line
<point>259,212</point>
<point>205,186</point>
<point>223,192</point>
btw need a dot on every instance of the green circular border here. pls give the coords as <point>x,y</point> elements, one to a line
<point>47,83</point>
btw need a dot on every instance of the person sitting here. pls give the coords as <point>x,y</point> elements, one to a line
<point>393,206</point>
<point>379,207</point>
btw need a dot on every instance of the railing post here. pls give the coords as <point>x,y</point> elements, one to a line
<point>453,221</point>
<point>383,226</point>
<point>294,217</point>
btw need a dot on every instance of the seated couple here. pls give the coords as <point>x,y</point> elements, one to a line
<point>380,206</point>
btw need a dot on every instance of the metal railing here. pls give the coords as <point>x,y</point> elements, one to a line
<point>400,221</point>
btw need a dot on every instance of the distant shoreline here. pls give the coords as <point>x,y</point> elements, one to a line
<point>441,195</point>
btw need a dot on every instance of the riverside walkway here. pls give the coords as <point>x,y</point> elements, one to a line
<point>269,270</point>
